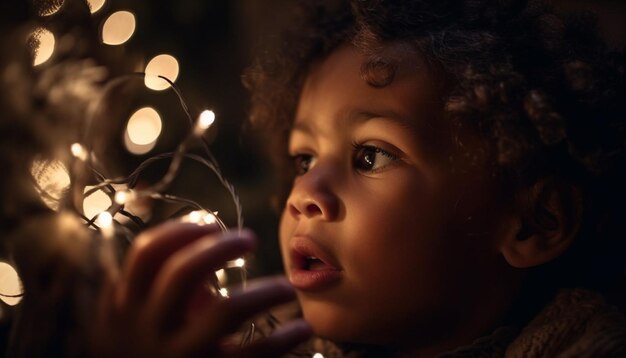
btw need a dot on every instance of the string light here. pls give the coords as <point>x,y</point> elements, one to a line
<point>79,151</point>
<point>210,218</point>
<point>45,48</point>
<point>118,28</point>
<point>123,196</point>
<point>205,120</point>
<point>318,355</point>
<point>195,217</point>
<point>240,262</point>
<point>162,65</point>
<point>105,219</point>
<point>98,208</point>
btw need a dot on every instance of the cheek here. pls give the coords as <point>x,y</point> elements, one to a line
<point>397,234</point>
<point>285,228</point>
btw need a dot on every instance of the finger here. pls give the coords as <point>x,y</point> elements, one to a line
<point>226,315</point>
<point>148,253</point>
<point>281,341</point>
<point>188,268</point>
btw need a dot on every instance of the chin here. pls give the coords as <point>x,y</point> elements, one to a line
<point>330,321</point>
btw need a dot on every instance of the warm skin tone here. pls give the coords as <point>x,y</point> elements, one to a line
<point>416,246</point>
<point>149,310</point>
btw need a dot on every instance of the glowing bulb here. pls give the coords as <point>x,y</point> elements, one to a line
<point>209,219</point>
<point>95,203</point>
<point>10,285</point>
<point>118,28</point>
<point>45,48</point>
<point>95,5</point>
<point>142,130</point>
<point>224,292</point>
<point>240,262</point>
<point>51,7</point>
<point>79,151</point>
<point>123,196</point>
<point>52,180</point>
<point>207,118</point>
<point>105,220</point>
<point>221,276</point>
<point>318,355</point>
<point>195,217</point>
<point>162,65</point>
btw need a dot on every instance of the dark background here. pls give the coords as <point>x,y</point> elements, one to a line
<point>214,41</point>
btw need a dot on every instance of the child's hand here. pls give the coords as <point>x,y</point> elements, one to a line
<point>159,306</point>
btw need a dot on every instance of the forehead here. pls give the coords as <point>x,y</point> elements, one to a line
<point>336,91</point>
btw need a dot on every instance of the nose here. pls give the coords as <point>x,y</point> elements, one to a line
<point>313,197</point>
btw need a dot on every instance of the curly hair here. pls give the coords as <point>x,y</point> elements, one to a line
<point>540,89</point>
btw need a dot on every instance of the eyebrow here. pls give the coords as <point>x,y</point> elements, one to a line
<point>357,116</point>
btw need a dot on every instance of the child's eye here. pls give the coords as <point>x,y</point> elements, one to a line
<point>303,162</point>
<point>371,159</point>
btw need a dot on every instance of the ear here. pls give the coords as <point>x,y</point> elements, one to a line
<point>547,221</point>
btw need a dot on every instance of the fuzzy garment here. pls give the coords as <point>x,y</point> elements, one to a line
<point>576,323</point>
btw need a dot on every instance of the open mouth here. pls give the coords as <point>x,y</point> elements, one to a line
<point>312,263</point>
<point>307,256</point>
<point>312,268</point>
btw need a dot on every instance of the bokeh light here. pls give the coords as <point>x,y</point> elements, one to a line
<point>118,28</point>
<point>10,285</point>
<point>52,181</point>
<point>45,45</point>
<point>142,131</point>
<point>162,65</point>
<point>95,5</point>
<point>95,203</point>
<point>48,7</point>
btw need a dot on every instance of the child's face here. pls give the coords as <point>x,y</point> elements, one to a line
<point>381,240</point>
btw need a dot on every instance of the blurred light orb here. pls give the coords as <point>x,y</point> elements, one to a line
<point>123,196</point>
<point>95,203</point>
<point>144,126</point>
<point>137,149</point>
<point>79,151</point>
<point>52,180</point>
<point>318,355</point>
<point>10,285</point>
<point>95,5</point>
<point>142,130</point>
<point>118,28</point>
<point>48,7</point>
<point>45,48</point>
<point>162,65</point>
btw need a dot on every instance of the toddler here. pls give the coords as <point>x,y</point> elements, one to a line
<point>455,174</point>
